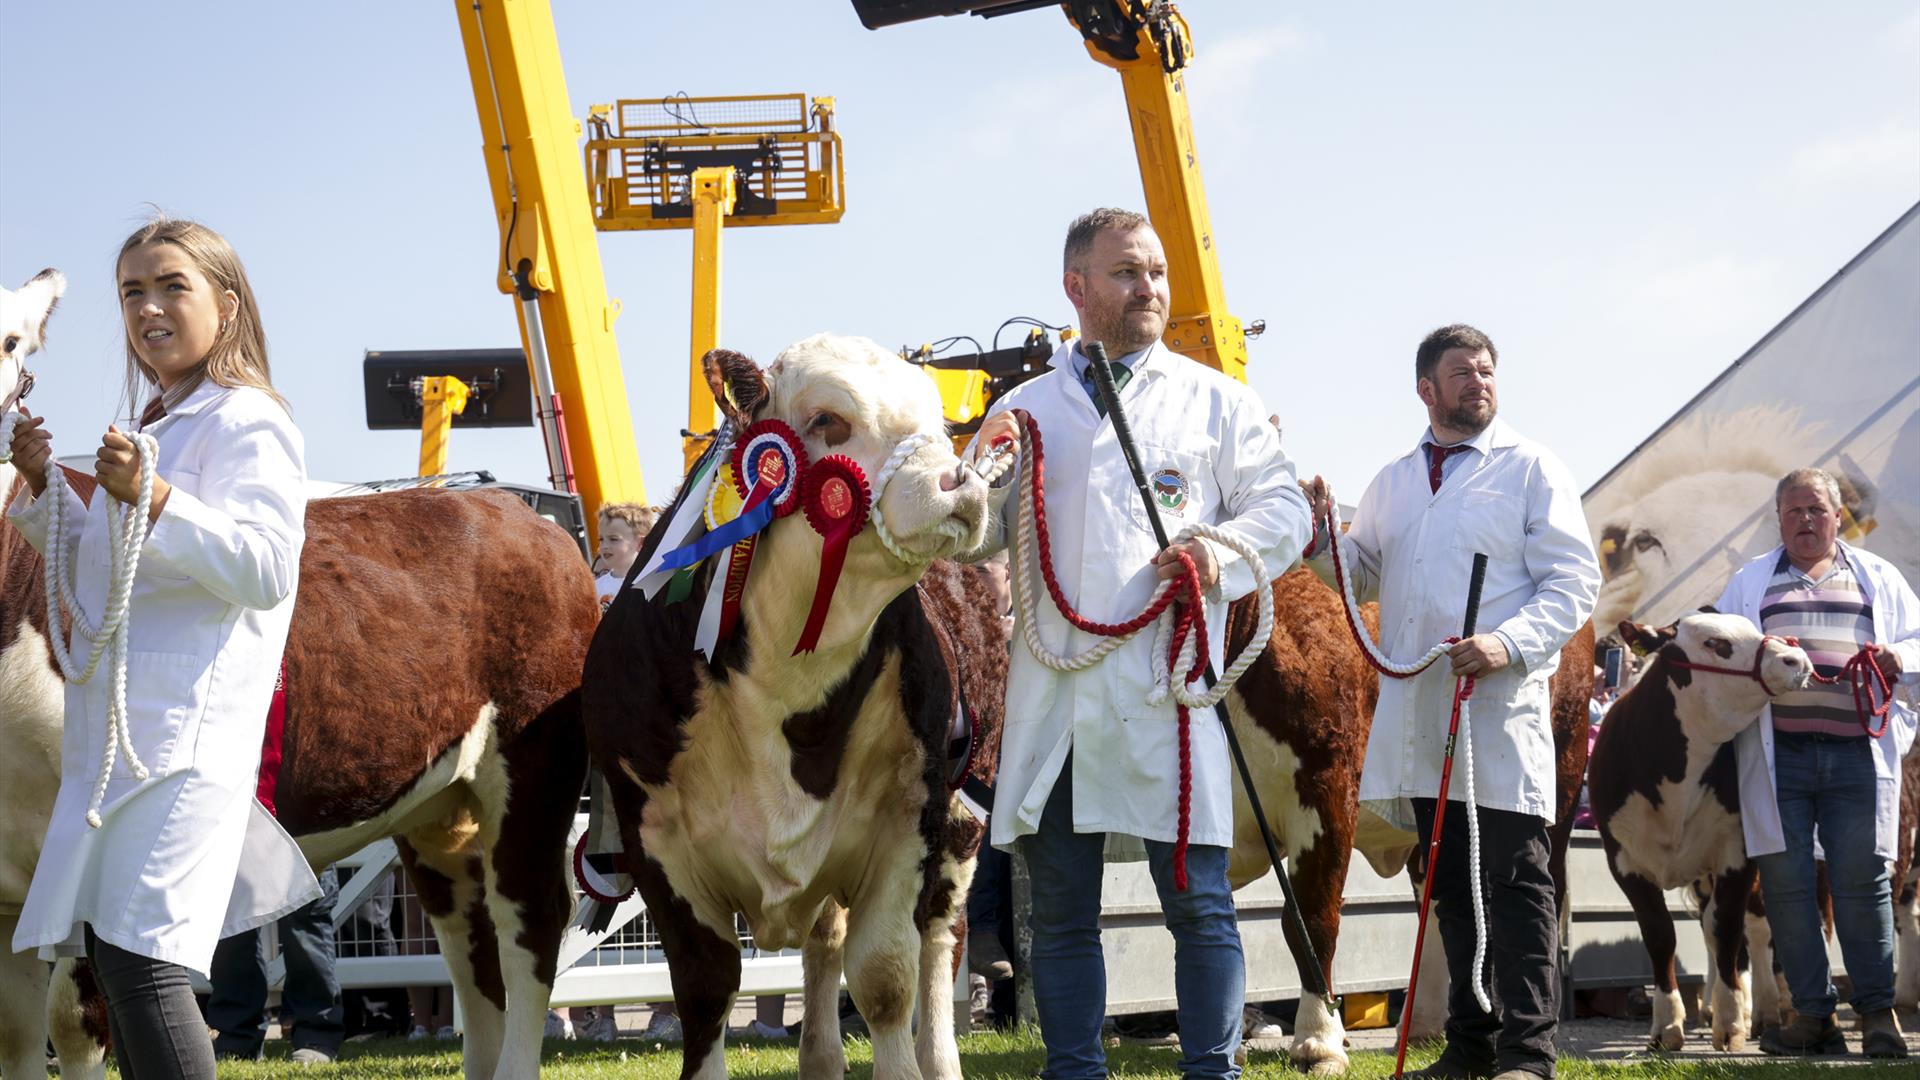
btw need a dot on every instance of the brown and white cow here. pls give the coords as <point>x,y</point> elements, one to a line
<point>1303,713</point>
<point>810,793</point>
<point>30,715</point>
<point>432,669</point>
<point>1665,794</point>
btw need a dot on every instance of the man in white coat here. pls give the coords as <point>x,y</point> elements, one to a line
<point>1811,758</point>
<point>1472,484</point>
<point>1085,758</point>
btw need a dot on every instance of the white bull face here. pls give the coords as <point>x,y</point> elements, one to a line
<point>1725,704</point>
<point>23,324</point>
<point>850,396</point>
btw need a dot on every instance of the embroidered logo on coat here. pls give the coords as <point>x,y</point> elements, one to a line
<point>1170,490</point>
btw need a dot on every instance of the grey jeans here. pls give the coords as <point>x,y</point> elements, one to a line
<point>152,1015</point>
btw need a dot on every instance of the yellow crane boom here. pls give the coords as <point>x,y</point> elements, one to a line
<point>550,249</point>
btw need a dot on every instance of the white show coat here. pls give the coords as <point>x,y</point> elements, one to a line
<point>1896,624</point>
<point>187,856</point>
<point>1412,548</point>
<point>1209,439</point>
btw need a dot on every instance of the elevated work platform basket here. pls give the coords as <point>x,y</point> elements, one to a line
<point>785,154</point>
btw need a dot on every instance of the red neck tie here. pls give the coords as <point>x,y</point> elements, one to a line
<point>1437,456</point>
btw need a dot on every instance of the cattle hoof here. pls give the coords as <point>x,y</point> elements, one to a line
<point>1318,1058</point>
<point>1732,1042</point>
<point>1668,1039</point>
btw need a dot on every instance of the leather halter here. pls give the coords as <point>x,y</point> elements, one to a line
<point>20,390</point>
<point>1753,673</point>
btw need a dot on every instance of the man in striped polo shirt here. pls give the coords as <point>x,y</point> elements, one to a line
<point>1813,760</point>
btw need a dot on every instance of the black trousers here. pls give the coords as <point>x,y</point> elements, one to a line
<point>152,1016</point>
<point>310,999</point>
<point>1523,939</point>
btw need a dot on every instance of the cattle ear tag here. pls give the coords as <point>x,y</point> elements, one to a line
<point>836,500</point>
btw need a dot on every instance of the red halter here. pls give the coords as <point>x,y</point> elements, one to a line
<point>1752,673</point>
<point>1860,672</point>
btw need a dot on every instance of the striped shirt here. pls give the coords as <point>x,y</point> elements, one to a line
<point>1832,619</point>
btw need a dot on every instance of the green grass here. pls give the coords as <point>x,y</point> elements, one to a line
<point>986,1056</point>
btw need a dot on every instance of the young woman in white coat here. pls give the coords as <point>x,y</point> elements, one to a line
<point>185,855</point>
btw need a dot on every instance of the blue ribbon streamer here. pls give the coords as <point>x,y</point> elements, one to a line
<point>749,522</point>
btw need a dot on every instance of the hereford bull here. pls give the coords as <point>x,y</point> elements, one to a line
<point>1665,795</point>
<point>1302,713</point>
<point>809,792</point>
<point>431,677</point>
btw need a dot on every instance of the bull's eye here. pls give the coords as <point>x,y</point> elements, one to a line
<point>830,428</point>
<point>13,341</point>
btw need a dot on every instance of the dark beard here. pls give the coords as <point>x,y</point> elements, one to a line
<point>1119,339</point>
<point>1465,417</point>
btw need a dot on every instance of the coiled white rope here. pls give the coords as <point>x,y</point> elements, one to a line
<point>126,533</point>
<point>1336,539</point>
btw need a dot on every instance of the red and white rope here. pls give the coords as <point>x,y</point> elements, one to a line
<point>1180,634</point>
<point>1394,669</point>
<point>126,533</point>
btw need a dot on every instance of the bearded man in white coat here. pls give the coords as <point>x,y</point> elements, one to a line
<point>1088,765</point>
<point>1473,484</point>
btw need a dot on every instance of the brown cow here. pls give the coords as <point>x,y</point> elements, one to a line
<point>432,668</point>
<point>1666,797</point>
<point>809,792</point>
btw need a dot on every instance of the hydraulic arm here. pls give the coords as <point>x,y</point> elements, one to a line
<point>550,252</point>
<point>1148,44</point>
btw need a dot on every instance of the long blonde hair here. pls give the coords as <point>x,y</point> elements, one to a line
<point>239,353</point>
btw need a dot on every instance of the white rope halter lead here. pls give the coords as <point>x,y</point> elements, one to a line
<point>989,467</point>
<point>126,533</point>
<point>1337,538</point>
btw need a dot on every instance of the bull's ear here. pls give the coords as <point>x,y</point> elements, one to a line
<point>45,287</point>
<point>1709,609</point>
<point>1643,639</point>
<point>738,385</point>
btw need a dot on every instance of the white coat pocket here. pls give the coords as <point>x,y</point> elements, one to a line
<point>1493,523</point>
<point>172,687</point>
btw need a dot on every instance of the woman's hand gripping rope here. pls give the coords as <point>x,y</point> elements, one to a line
<point>126,534</point>
<point>1180,635</point>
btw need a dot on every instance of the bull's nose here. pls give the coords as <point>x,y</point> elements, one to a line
<point>951,480</point>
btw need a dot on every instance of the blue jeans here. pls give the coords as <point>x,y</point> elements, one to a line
<point>1831,785</point>
<point>1070,972</point>
<point>310,998</point>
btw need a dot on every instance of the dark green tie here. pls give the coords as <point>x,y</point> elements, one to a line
<point>1121,374</point>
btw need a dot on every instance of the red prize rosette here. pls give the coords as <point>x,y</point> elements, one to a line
<point>836,499</point>
<point>769,465</point>
<point>770,462</point>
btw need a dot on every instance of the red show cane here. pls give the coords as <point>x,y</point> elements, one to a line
<point>1462,690</point>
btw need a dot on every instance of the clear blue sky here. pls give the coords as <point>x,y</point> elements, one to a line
<point>1625,197</point>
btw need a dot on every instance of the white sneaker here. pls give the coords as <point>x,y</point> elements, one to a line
<point>418,1034</point>
<point>558,1026</point>
<point>663,1028</point>
<point>759,1030</point>
<point>603,1028</point>
<point>308,1055</point>
<point>446,1034</point>
<point>1255,1024</point>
